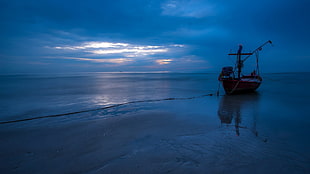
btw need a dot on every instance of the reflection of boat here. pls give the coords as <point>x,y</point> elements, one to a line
<point>232,79</point>
<point>231,107</point>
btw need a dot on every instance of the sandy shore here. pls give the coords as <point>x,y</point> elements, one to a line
<point>121,144</point>
<point>180,140</point>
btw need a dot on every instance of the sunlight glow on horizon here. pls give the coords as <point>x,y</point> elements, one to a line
<point>120,53</point>
<point>115,60</point>
<point>163,61</point>
<point>135,51</point>
<point>128,50</point>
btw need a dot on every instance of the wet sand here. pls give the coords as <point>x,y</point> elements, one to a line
<point>191,136</point>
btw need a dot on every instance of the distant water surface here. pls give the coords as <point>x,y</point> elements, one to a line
<point>25,96</point>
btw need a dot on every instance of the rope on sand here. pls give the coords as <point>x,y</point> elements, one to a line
<point>103,108</point>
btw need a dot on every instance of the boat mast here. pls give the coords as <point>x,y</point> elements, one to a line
<point>239,61</point>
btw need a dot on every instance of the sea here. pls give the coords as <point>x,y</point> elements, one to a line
<point>276,116</point>
<point>35,95</point>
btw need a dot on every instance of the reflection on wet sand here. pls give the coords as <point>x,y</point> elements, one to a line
<point>233,107</point>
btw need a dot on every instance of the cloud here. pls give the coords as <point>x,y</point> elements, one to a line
<point>142,33</point>
<point>120,54</point>
<point>123,49</point>
<point>115,60</point>
<point>163,61</point>
<point>87,45</point>
<point>208,32</point>
<point>187,8</point>
<point>131,51</point>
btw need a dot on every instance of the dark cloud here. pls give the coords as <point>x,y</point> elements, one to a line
<point>209,29</point>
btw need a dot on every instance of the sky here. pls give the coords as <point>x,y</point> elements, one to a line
<point>46,36</point>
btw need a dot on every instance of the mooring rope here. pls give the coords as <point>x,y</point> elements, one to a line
<point>233,90</point>
<point>102,108</point>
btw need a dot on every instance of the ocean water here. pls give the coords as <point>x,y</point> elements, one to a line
<point>178,125</point>
<point>27,96</point>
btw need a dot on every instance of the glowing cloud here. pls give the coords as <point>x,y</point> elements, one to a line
<point>101,48</point>
<point>120,53</point>
<point>89,45</point>
<point>163,61</point>
<point>116,60</point>
<point>104,45</point>
<point>129,50</point>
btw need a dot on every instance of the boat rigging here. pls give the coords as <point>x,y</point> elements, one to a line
<point>248,83</point>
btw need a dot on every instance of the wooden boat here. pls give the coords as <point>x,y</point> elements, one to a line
<point>234,81</point>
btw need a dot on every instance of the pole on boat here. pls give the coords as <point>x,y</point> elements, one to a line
<point>239,54</point>
<point>257,49</point>
<point>239,61</point>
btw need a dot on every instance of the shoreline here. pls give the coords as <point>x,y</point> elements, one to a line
<point>182,137</point>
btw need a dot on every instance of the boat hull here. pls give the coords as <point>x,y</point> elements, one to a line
<point>244,85</point>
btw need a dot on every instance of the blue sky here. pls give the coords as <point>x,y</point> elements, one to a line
<point>150,35</point>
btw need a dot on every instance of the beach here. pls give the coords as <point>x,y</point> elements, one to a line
<point>176,125</point>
